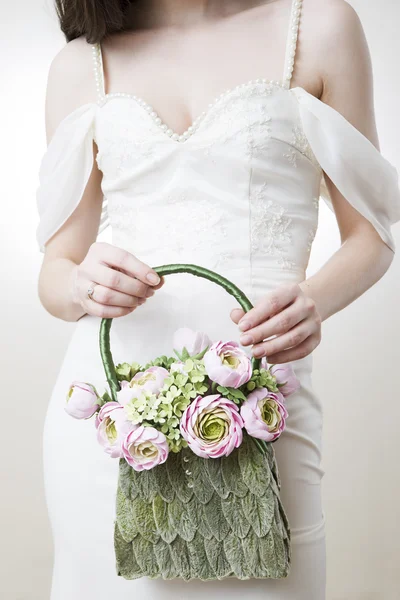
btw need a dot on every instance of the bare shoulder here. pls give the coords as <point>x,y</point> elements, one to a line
<point>333,31</point>
<point>334,43</point>
<point>70,82</point>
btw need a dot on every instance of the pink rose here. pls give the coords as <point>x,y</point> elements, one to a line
<point>112,428</point>
<point>227,364</point>
<point>194,341</point>
<point>151,381</point>
<point>144,448</point>
<point>285,375</point>
<point>212,426</point>
<point>264,414</point>
<point>82,400</point>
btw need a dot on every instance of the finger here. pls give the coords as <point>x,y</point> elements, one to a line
<point>117,257</point>
<point>119,281</point>
<point>276,325</point>
<point>110,297</point>
<point>106,312</point>
<point>297,353</point>
<point>159,285</point>
<point>237,314</point>
<point>292,338</point>
<point>268,306</point>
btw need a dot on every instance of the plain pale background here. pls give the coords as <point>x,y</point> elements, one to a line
<point>355,367</point>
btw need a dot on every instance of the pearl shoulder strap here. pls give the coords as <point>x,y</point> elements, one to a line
<point>291,44</point>
<point>98,70</point>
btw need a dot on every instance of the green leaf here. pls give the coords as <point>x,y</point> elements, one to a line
<point>235,555</point>
<point>201,483</point>
<point>259,511</point>
<point>268,555</point>
<point>178,355</point>
<point>128,480</point>
<point>236,393</point>
<point>216,519</point>
<point>181,520</point>
<point>176,475</point>
<point>180,556</point>
<point>232,475</point>
<point>234,514</point>
<point>254,467</point>
<point>143,514</point>
<point>124,516</point>
<point>250,549</point>
<point>126,563</point>
<point>199,565</point>
<point>216,557</point>
<point>145,556</point>
<point>214,473</point>
<point>196,511</point>
<point>164,560</point>
<point>185,354</point>
<point>164,487</point>
<point>163,521</point>
<point>146,484</point>
<point>201,354</point>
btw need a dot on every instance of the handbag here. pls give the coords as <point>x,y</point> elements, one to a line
<point>200,518</point>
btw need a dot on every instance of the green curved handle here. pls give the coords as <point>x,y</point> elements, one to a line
<point>231,288</point>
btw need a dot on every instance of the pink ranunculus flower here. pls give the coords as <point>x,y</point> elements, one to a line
<point>82,400</point>
<point>285,375</point>
<point>151,381</point>
<point>227,364</point>
<point>112,428</point>
<point>194,341</point>
<point>264,414</point>
<point>145,447</point>
<point>212,426</point>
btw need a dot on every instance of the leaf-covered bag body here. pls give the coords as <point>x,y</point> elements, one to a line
<point>191,517</point>
<point>197,518</point>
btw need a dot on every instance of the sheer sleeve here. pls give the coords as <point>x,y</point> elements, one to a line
<point>64,172</point>
<point>360,172</point>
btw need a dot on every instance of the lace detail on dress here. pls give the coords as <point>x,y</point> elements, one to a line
<point>299,145</point>
<point>270,227</point>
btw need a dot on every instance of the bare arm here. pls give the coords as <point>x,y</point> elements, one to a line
<point>293,313</point>
<point>73,260</point>
<point>363,257</point>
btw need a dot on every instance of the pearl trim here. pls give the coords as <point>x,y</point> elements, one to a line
<point>196,123</point>
<point>291,45</point>
<point>103,99</point>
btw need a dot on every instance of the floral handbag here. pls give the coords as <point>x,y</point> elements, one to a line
<point>198,493</point>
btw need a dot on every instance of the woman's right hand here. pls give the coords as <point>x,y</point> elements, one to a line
<point>120,281</point>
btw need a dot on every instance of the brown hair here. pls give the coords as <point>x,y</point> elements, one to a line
<point>94,19</point>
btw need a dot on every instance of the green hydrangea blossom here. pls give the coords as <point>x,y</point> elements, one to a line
<point>126,371</point>
<point>261,378</point>
<point>184,383</point>
<point>161,361</point>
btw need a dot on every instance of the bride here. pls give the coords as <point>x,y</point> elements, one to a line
<point>202,132</point>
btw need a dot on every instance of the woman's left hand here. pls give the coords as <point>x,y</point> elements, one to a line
<point>287,313</point>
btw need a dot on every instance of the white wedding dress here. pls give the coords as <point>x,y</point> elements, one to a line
<point>237,193</point>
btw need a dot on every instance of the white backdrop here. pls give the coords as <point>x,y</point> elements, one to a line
<point>355,367</point>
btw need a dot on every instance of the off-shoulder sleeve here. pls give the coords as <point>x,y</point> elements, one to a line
<point>357,168</point>
<point>64,172</point>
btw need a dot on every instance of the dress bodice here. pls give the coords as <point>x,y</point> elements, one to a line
<point>239,189</point>
<point>243,187</point>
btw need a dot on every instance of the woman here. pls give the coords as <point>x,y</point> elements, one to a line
<point>232,185</point>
